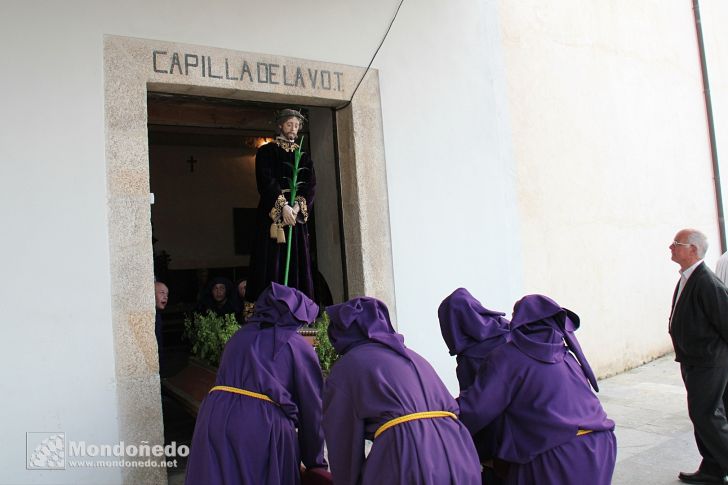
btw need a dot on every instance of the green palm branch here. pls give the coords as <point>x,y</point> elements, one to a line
<point>293,185</point>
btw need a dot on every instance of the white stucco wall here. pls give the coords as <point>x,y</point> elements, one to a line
<point>577,125</point>
<point>449,166</point>
<point>58,362</point>
<point>714,14</point>
<point>611,144</point>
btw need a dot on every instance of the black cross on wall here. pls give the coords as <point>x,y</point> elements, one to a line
<point>192,163</point>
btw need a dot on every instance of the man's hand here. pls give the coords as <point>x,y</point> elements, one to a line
<point>296,209</point>
<point>289,217</point>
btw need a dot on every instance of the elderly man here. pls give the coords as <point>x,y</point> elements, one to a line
<point>273,173</point>
<point>699,330</point>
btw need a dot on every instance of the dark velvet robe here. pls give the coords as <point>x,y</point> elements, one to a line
<point>268,257</point>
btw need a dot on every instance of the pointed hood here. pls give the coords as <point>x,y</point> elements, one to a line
<point>286,309</point>
<point>540,327</point>
<point>465,323</point>
<point>362,320</point>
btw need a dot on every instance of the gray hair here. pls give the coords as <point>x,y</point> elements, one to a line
<point>698,239</point>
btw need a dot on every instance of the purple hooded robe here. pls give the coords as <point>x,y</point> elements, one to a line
<point>538,387</point>
<point>245,440</point>
<point>471,332</point>
<point>378,379</point>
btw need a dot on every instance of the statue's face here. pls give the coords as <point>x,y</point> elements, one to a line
<point>289,128</point>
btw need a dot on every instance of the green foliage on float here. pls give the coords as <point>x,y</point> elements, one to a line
<point>209,333</point>
<point>325,351</point>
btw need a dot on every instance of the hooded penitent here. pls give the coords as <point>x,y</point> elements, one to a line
<point>362,320</point>
<point>541,328</point>
<point>231,303</point>
<point>284,309</point>
<point>533,397</point>
<point>263,437</point>
<point>376,380</point>
<point>470,331</point>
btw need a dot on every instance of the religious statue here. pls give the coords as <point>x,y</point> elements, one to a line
<point>277,213</point>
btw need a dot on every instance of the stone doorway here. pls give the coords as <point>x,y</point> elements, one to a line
<point>135,67</point>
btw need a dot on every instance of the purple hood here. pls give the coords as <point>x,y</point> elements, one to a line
<point>362,320</point>
<point>540,328</point>
<point>284,308</point>
<point>465,324</point>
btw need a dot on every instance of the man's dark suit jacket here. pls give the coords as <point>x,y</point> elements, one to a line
<point>699,322</point>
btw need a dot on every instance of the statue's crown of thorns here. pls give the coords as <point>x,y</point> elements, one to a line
<point>287,113</point>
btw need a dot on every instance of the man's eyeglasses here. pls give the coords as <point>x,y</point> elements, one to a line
<point>675,243</point>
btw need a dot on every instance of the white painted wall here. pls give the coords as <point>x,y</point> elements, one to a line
<point>58,363</point>
<point>713,14</point>
<point>579,126</point>
<point>610,138</point>
<point>450,172</point>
